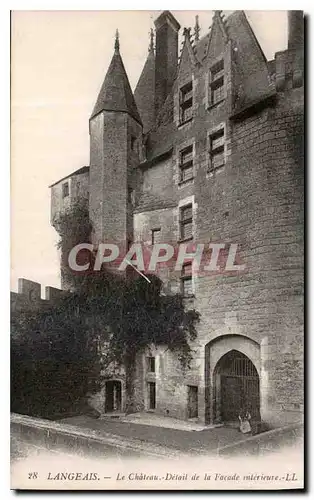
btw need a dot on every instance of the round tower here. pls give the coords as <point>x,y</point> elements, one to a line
<point>115,133</point>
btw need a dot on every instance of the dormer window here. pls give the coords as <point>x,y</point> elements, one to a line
<point>186,102</point>
<point>216,83</point>
<point>65,190</point>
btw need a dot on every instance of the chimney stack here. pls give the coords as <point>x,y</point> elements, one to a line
<point>166,60</point>
<point>295,29</point>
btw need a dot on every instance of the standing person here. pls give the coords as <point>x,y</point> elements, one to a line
<point>244,419</point>
<point>255,420</point>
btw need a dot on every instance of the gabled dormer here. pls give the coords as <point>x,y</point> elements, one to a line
<point>186,81</point>
<point>218,38</point>
<point>216,62</point>
<point>188,59</point>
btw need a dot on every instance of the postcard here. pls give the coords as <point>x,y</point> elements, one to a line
<point>157,172</point>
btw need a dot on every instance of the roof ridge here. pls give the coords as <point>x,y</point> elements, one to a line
<point>81,170</point>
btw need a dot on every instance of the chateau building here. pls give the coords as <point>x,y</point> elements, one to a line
<point>208,148</point>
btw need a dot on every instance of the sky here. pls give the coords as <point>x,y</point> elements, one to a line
<point>58,62</point>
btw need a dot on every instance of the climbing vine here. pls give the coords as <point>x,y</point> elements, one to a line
<point>124,312</point>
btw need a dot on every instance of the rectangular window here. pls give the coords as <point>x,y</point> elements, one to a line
<point>156,235</point>
<point>151,364</point>
<point>186,280</point>
<point>217,89</point>
<point>65,190</point>
<point>186,102</point>
<point>133,143</point>
<point>151,395</point>
<point>130,195</point>
<point>186,164</point>
<point>217,149</point>
<point>186,222</point>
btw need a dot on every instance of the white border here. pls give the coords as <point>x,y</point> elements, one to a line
<point>5,179</point>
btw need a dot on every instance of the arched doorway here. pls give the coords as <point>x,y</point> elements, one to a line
<point>236,387</point>
<point>113,396</point>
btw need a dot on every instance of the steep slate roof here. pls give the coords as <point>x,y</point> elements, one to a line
<point>116,93</point>
<point>79,171</point>
<point>187,51</point>
<point>201,46</point>
<point>145,92</point>
<point>252,78</point>
<point>165,115</point>
<point>252,81</point>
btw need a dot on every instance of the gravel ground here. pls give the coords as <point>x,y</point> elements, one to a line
<point>209,439</point>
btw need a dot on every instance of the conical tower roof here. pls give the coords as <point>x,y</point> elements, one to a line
<point>116,93</point>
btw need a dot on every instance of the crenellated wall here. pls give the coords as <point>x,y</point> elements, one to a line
<point>28,296</point>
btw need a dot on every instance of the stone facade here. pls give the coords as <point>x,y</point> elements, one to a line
<point>71,189</point>
<point>242,118</point>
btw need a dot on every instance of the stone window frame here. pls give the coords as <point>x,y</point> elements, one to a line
<point>217,81</point>
<point>209,83</point>
<point>155,230</point>
<point>184,222</point>
<point>177,108</point>
<point>187,277</point>
<point>65,189</point>
<point>187,165</point>
<point>189,200</point>
<point>210,133</point>
<point>151,364</point>
<point>179,149</point>
<point>186,103</point>
<point>133,143</point>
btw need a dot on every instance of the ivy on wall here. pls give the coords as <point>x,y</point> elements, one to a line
<point>124,312</point>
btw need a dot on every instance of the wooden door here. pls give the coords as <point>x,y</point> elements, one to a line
<point>192,401</point>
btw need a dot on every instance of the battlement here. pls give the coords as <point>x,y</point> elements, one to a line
<point>28,295</point>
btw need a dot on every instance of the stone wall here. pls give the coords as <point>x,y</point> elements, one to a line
<point>256,201</point>
<point>78,186</point>
<point>28,296</point>
<point>115,147</point>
